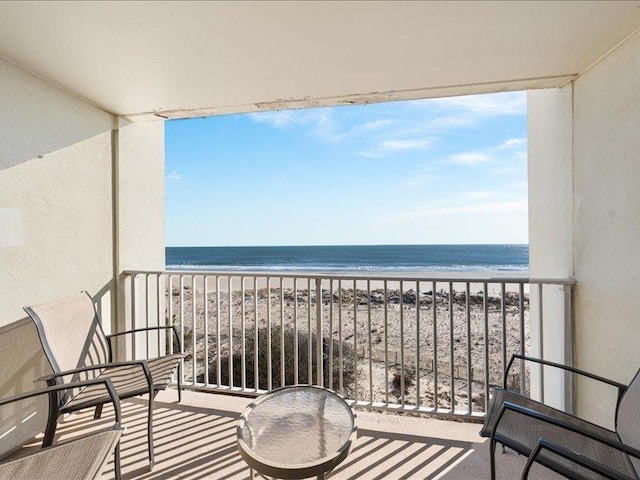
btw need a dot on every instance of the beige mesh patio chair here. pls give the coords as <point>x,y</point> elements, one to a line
<point>77,347</point>
<point>562,442</point>
<point>81,458</point>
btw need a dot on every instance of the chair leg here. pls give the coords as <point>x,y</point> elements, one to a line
<point>116,462</point>
<point>180,381</point>
<point>492,458</point>
<point>150,430</point>
<point>49,432</point>
<point>532,457</point>
<point>52,421</point>
<point>98,413</point>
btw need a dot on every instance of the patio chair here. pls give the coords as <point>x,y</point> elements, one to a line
<point>564,443</point>
<point>76,346</point>
<point>82,458</point>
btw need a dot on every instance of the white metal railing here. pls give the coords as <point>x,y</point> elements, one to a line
<point>432,345</point>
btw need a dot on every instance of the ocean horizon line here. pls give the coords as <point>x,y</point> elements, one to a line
<point>351,269</point>
<point>356,258</point>
<point>354,245</point>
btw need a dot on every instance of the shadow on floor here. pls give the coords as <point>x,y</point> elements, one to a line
<point>196,439</point>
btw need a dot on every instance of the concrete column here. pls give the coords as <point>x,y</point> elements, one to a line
<point>139,226</point>
<point>550,123</point>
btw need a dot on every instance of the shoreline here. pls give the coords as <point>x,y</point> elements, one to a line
<point>358,273</point>
<point>362,280</point>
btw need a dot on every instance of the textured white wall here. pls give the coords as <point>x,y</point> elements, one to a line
<point>56,205</point>
<point>63,203</point>
<point>607,220</point>
<point>550,182</point>
<point>141,196</point>
<point>55,222</point>
<point>38,118</point>
<point>550,224</point>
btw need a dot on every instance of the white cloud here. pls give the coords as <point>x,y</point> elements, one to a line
<point>508,103</point>
<point>277,119</point>
<point>371,154</point>
<point>450,122</point>
<point>440,115</point>
<point>328,130</point>
<point>174,175</point>
<point>512,143</point>
<point>374,125</point>
<point>320,121</point>
<point>323,125</point>
<point>405,130</point>
<point>507,151</point>
<point>470,158</point>
<point>397,145</point>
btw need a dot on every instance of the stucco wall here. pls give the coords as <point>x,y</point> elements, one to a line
<point>55,218</point>
<point>55,221</point>
<point>141,184</point>
<point>63,202</point>
<point>38,118</point>
<point>606,170</point>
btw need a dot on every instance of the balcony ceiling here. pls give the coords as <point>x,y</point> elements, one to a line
<point>187,59</point>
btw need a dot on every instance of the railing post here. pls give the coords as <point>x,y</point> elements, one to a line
<point>319,352</point>
<point>134,314</point>
<point>121,317</point>
<point>541,334</point>
<point>569,350</point>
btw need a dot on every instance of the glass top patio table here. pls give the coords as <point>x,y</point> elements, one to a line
<point>296,432</point>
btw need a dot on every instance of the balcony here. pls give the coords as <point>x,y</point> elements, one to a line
<point>406,352</point>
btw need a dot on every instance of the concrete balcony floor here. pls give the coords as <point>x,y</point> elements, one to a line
<point>196,439</point>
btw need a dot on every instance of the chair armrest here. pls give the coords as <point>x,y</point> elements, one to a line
<point>508,406</point>
<point>575,457</point>
<point>620,386</point>
<point>147,329</point>
<point>56,388</point>
<point>52,376</point>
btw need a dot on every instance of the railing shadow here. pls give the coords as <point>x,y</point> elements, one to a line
<point>199,442</point>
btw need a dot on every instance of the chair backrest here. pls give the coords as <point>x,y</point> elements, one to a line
<point>628,417</point>
<point>70,332</point>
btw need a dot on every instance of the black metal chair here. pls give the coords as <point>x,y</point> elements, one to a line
<point>76,346</point>
<point>568,445</point>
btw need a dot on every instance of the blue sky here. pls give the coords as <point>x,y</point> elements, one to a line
<point>437,171</point>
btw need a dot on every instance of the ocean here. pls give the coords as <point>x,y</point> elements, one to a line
<point>352,258</point>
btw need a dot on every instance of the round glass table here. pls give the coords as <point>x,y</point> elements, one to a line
<point>296,432</point>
